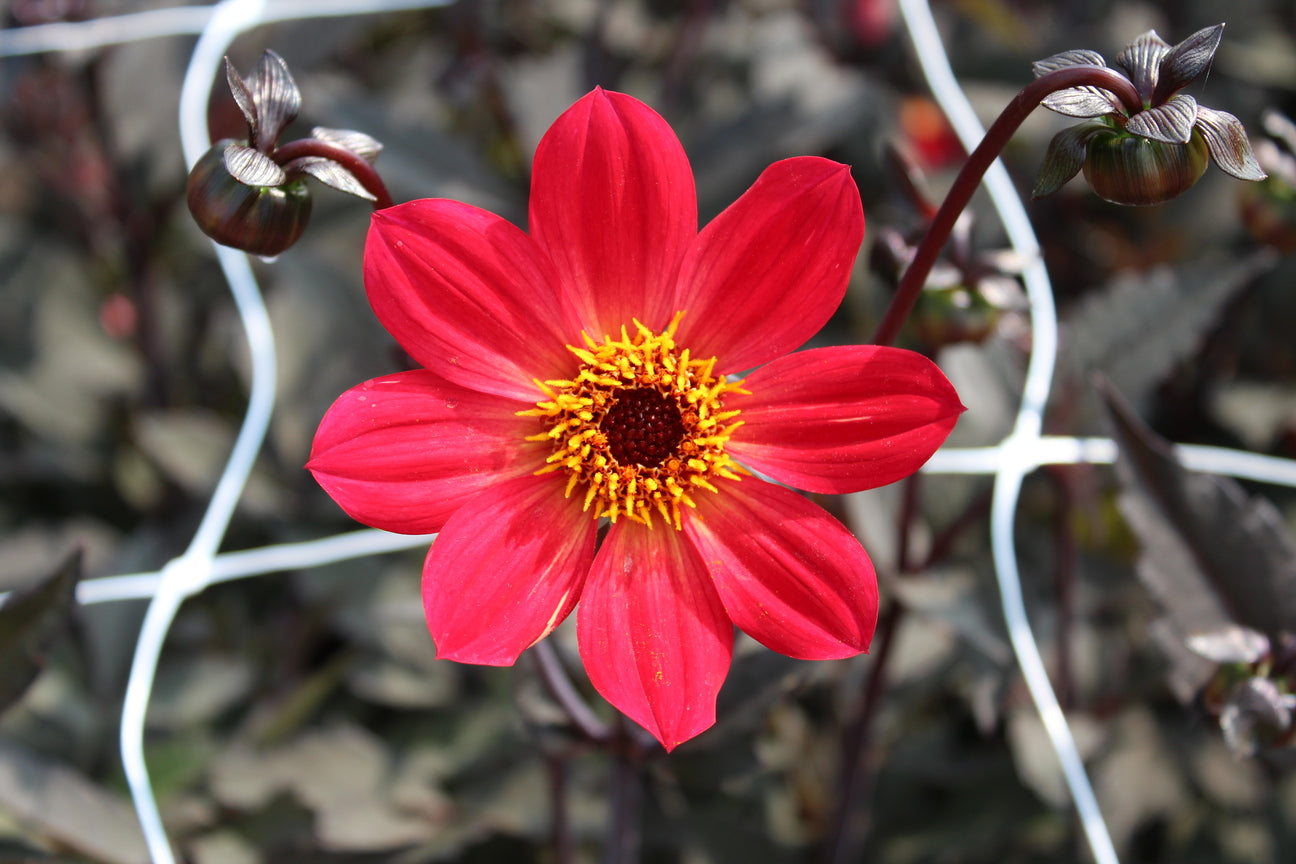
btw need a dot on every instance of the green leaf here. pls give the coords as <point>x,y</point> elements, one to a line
<point>29,620</point>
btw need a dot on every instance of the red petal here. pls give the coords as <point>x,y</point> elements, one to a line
<point>613,204</point>
<point>770,270</point>
<point>843,419</point>
<point>506,570</point>
<point>403,452</point>
<point>655,639</point>
<point>469,296</point>
<point>789,575</point>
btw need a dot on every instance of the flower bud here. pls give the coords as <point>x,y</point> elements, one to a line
<point>949,315</point>
<point>1129,169</point>
<point>262,220</point>
<point>1269,213</point>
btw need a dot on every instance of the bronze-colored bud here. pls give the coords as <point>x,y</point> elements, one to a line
<point>1130,169</point>
<point>262,220</point>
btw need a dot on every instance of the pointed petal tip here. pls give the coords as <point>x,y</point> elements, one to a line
<point>789,575</point>
<point>470,655</point>
<point>506,571</point>
<point>653,634</point>
<point>671,739</point>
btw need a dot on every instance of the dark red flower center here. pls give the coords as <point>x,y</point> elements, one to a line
<point>643,427</point>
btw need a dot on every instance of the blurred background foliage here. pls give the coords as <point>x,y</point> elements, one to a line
<point>300,716</point>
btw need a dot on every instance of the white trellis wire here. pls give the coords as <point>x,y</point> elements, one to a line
<point>1017,454</point>
<point>200,566</point>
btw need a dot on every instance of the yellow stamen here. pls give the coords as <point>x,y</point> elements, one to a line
<point>640,427</point>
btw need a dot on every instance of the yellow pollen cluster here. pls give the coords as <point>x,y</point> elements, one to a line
<point>640,428</point>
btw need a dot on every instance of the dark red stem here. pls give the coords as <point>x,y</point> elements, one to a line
<point>1065,552</point>
<point>855,774</point>
<point>357,165</point>
<point>859,768</point>
<point>1026,101</point>
<point>564,848</point>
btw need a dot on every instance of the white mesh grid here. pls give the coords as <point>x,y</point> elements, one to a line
<point>1009,462</point>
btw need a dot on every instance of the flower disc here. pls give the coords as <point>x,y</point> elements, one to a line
<point>640,427</point>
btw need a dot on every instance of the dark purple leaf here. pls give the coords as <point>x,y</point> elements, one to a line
<point>243,96</point>
<point>1212,556</point>
<point>277,100</point>
<point>332,174</point>
<point>1077,57</point>
<point>29,619</point>
<point>1083,102</point>
<point>364,146</point>
<point>252,167</point>
<point>1076,101</point>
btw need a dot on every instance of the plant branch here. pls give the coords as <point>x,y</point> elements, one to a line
<point>969,178</point>
<point>856,738</point>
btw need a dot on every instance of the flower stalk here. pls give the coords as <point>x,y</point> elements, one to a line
<point>1144,141</point>
<point>969,178</point>
<point>359,167</point>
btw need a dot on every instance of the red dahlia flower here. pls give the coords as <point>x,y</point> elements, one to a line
<point>579,374</point>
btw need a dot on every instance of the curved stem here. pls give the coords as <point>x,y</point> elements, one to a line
<point>564,693</point>
<point>357,165</point>
<point>1026,101</point>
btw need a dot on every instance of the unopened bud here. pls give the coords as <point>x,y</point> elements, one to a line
<point>1131,169</point>
<point>262,220</point>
